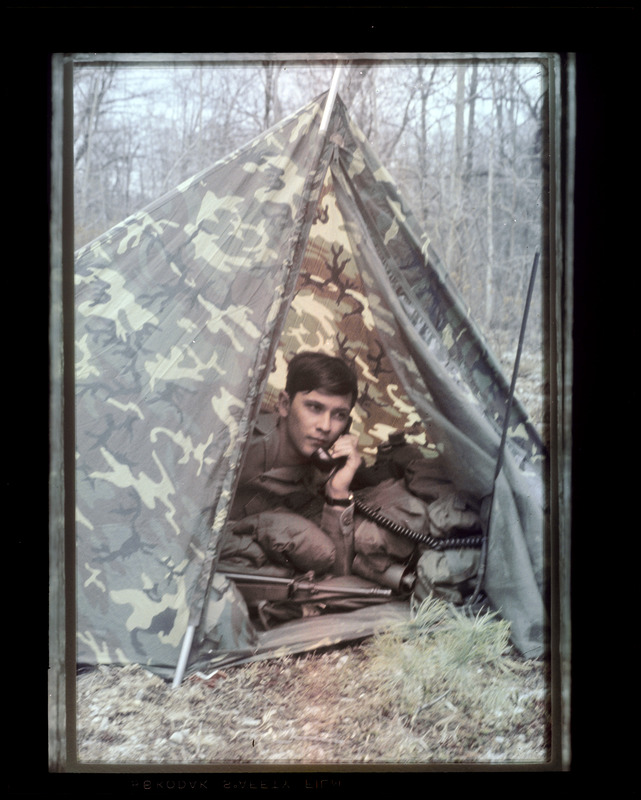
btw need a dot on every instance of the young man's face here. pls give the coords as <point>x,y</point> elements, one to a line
<point>311,420</point>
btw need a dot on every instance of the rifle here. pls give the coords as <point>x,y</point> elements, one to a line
<point>273,598</point>
<point>288,588</point>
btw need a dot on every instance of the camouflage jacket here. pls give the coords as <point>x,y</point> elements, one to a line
<point>298,488</point>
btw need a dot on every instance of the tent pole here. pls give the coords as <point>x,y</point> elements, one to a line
<point>184,655</point>
<point>331,97</point>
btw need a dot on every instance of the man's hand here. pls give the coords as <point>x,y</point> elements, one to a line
<point>338,486</point>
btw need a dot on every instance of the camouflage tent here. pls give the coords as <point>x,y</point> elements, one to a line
<point>186,316</point>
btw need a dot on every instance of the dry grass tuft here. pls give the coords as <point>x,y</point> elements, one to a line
<point>450,670</point>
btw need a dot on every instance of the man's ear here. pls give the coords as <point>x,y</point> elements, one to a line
<point>284,404</point>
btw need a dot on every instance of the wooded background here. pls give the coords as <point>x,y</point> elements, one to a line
<point>464,138</point>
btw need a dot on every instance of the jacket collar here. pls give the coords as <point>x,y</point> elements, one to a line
<point>305,474</point>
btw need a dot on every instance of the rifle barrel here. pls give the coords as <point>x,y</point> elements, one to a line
<point>308,586</point>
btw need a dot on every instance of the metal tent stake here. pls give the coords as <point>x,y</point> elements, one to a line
<point>184,655</point>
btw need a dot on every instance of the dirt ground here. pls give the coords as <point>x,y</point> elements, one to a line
<point>319,708</point>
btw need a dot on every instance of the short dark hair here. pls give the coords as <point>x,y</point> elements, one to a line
<point>308,372</point>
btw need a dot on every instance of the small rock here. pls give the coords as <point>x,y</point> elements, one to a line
<point>249,722</point>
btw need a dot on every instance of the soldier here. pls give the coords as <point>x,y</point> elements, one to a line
<point>291,512</point>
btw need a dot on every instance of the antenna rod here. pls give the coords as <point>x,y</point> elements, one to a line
<point>515,369</point>
<point>499,461</point>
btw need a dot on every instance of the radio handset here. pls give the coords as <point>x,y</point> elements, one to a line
<point>323,461</point>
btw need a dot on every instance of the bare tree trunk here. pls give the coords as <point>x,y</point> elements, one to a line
<point>422,154</point>
<point>353,82</point>
<point>388,149</point>
<point>199,121</point>
<point>456,170</point>
<point>272,103</point>
<point>88,150</point>
<point>99,86</point>
<point>469,159</point>
<point>489,267</point>
<point>459,128</point>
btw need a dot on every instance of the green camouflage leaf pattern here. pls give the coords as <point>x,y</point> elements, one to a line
<point>175,310</point>
<point>332,311</point>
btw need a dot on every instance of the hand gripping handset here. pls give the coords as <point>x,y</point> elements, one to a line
<point>323,461</point>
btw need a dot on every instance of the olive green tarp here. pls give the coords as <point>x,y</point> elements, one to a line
<point>186,315</point>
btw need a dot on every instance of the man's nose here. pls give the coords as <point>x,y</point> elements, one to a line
<point>325,422</point>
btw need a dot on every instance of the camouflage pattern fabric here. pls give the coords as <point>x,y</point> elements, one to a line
<point>186,316</point>
<point>331,312</point>
<point>175,316</point>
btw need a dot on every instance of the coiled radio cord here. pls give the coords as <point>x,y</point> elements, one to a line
<point>436,543</point>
